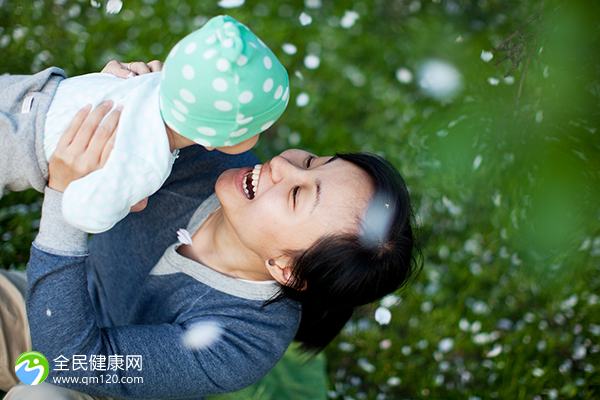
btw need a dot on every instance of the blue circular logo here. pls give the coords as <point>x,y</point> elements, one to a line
<point>32,368</point>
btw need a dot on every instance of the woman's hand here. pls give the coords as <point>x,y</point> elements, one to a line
<point>134,68</point>
<point>85,145</point>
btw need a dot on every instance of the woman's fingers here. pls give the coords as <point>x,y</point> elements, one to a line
<point>73,127</point>
<point>88,128</point>
<point>96,149</point>
<point>117,69</point>
<point>134,68</point>
<point>86,147</point>
<point>139,68</point>
<point>155,66</point>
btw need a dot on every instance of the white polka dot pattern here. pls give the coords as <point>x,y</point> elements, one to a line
<point>223,64</point>
<point>181,106</point>
<point>206,130</point>
<point>268,85</point>
<point>220,85</point>
<point>278,92</point>
<point>190,48</point>
<point>223,105</point>
<point>188,72</point>
<point>246,97</point>
<point>187,96</point>
<point>268,62</point>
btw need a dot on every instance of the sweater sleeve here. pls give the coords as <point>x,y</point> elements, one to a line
<point>148,361</point>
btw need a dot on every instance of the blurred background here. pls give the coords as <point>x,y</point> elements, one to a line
<point>489,108</point>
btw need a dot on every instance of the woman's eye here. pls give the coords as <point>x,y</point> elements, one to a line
<point>309,161</point>
<point>294,193</point>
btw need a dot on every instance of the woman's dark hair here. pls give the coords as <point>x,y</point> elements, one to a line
<point>343,271</point>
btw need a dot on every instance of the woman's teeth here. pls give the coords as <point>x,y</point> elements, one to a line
<point>250,182</point>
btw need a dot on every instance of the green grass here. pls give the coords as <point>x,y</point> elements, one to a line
<point>503,176</point>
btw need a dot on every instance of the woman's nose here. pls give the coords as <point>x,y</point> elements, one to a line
<point>280,168</point>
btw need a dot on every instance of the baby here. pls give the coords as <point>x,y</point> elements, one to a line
<point>220,87</point>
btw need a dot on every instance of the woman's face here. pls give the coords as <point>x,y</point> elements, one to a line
<point>296,199</point>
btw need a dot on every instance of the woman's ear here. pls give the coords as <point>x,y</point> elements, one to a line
<point>280,271</point>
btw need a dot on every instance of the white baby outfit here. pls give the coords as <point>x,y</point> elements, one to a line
<point>140,161</point>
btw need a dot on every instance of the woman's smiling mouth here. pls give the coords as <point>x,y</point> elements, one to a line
<point>250,182</point>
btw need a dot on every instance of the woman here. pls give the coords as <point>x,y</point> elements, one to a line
<point>287,260</point>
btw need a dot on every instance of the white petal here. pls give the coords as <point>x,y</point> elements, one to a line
<point>114,6</point>
<point>305,19</point>
<point>202,335</point>
<point>486,56</point>
<point>231,3</point>
<point>184,237</point>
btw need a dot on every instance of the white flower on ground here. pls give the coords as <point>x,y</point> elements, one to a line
<point>383,316</point>
<point>391,300</point>
<point>302,99</point>
<point>365,365</point>
<point>312,62</point>
<point>184,237</point>
<point>493,81</point>
<point>445,345</point>
<point>231,3</point>
<point>202,335</point>
<point>394,381</point>
<point>495,351</point>
<point>114,6</point>
<point>289,48</point>
<point>486,56</point>
<point>404,75</point>
<point>349,19</point>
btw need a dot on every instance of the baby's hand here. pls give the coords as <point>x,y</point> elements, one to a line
<point>134,68</point>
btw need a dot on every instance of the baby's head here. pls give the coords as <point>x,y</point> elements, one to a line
<point>222,86</point>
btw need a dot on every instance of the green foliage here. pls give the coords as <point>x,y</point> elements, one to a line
<point>503,173</point>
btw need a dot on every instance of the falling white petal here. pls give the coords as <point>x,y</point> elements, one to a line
<point>231,3</point>
<point>477,162</point>
<point>493,81</point>
<point>114,6</point>
<point>202,335</point>
<point>486,56</point>
<point>439,79</point>
<point>184,237</point>
<point>305,19</point>
<point>383,316</point>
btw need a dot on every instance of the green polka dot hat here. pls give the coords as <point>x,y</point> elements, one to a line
<point>222,85</point>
